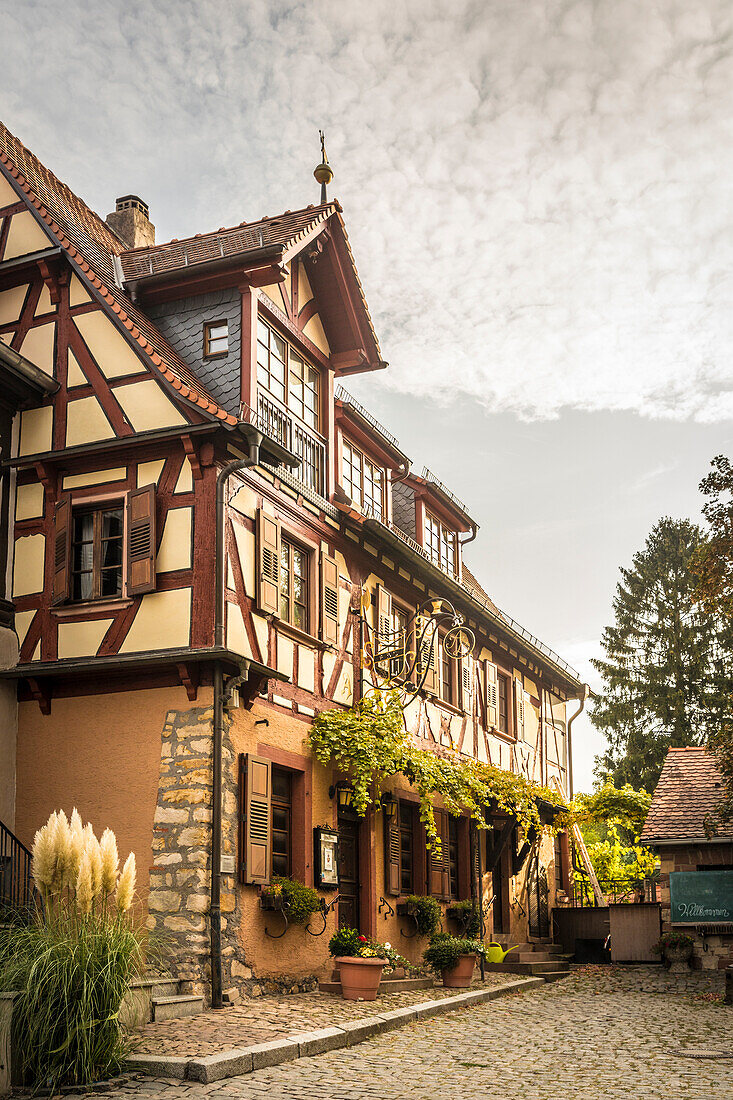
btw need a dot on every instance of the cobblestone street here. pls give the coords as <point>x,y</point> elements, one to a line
<point>602,1034</point>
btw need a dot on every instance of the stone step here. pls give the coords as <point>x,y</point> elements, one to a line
<point>387,985</point>
<point>535,968</point>
<point>555,976</point>
<point>172,1008</point>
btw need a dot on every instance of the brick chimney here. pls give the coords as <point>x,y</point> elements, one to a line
<point>131,222</point>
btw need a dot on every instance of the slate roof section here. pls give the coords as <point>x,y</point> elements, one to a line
<point>684,804</point>
<point>93,246</point>
<point>281,232</point>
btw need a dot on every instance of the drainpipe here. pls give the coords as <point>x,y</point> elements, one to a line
<point>215,908</point>
<point>585,692</point>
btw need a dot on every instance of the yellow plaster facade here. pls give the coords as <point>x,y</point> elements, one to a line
<point>28,567</point>
<point>86,422</point>
<point>147,407</point>
<point>163,621</point>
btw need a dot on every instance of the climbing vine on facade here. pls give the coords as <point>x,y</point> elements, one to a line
<point>370,744</point>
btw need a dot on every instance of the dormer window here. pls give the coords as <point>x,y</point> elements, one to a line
<point>363,480</point>
<point>287,376</point>
<point>216,339</point>
<point>440,543</point>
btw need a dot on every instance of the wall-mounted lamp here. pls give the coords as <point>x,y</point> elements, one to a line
<point>389,805</point>
<point>344,795</point>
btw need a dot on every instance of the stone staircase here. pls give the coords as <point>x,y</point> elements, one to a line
<point>154,999</point>
<point>539,958</point>
<point>390,984</point>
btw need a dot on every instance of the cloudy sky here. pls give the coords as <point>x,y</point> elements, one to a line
<point>539,200</point>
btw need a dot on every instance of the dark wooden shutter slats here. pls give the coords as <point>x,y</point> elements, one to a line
<point>268,564</point>
<point>384,641</point>
<point>439,868</point>
<point>257,843</point>
<point>329,599</point>
<point>141,541</point>
<point>492,696</point>
<point>62,552</point>
<point>428,658</point>
<point>466,686</point>
<point>392,861</point>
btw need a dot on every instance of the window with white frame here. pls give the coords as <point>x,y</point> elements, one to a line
<point>440,542</point>
<point>285,374</point>
<point>363,480</point>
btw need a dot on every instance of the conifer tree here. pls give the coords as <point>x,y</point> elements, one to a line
<point>667,667</point>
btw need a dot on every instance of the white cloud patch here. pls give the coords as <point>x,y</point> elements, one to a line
<point>538,194</point>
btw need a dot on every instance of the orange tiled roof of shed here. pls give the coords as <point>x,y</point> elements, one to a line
<point>686,796</point>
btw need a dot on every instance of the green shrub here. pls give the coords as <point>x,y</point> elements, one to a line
<point>300,901</point>
<point>346,943</point>
<point>444,951</point>
<point>469,916</point>
<point>427,914</point>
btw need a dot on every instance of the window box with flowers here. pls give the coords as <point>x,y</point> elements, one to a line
<point>271,898</point>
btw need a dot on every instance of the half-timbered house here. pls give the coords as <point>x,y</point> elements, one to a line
<point>195,396</point>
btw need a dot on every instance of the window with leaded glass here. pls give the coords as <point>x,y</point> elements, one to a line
<point>96,553</point>
<point>282,808</point>
<point>271,360</point>
<point>303,390</point>
<point>504,695</point>
<point>447,676</point>
<point>293,584</point>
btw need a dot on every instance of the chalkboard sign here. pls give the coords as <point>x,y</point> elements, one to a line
<point>701,897</point>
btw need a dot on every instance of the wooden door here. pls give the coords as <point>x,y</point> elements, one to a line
<point>634,931</point>
<point>538,896</point>
<point>348,868</point>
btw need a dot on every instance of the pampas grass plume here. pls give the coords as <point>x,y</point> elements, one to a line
<point>126,885</point>
<point>110,861</point>
<point>95,862</point>
<point>44,856</point>
<point>84,893</point>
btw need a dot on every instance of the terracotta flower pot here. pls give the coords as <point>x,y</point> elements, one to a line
<point>359,977</point>
<point>459,976</point>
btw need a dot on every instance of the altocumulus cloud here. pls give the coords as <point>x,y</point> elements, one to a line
<point>538,193</point>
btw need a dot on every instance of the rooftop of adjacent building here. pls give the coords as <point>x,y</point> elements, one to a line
<point>685,802</point>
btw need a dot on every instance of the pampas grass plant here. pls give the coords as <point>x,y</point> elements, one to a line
<point>72,965</point>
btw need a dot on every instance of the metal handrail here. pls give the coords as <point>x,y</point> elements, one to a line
<point>16,881</point>
<point>345,396</point>
<point>430,477</point>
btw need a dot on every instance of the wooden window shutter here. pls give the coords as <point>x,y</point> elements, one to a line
<point>329,600</point>
<point>385,643</point>
<point>268,564</point>
<point>141,541</point>
<point>392,861</point>
<point>438,864</point>
<point>492,696</point>
<point>467,685</point>
<point>518,709</point>
<point>62,552</point>
<point>256,817</point>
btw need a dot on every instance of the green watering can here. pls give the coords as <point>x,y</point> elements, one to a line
<point>495,954</point>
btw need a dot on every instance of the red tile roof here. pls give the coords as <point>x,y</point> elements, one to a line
<point>684,804</point>
<point>268,233</point>
<point>90,242</point>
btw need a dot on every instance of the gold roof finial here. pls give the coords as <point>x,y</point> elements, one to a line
<point>323,172</point>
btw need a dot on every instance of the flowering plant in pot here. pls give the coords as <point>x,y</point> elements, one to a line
<point>676,949</point>
<point>453,959</point>
<point>360,966</point>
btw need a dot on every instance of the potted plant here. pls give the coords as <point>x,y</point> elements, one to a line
<point>467,917</point>
<point>453,959</point>
<point>271,897</point>
<point>360,967</point>
<point>425,911</point>
<point>676,950</point>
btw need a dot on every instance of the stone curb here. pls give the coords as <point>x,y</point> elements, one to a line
<point>234,1063</point>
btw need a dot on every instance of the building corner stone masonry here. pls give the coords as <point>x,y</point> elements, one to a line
<point>180,879</point>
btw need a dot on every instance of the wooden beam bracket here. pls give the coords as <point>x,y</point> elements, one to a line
<point>189,677</point>
<point>193,457</point>
<point>55,275</point>
<point>41,693</point>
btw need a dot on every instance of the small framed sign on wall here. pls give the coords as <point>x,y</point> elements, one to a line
<point>326,847</point>
<point>701,897</point>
